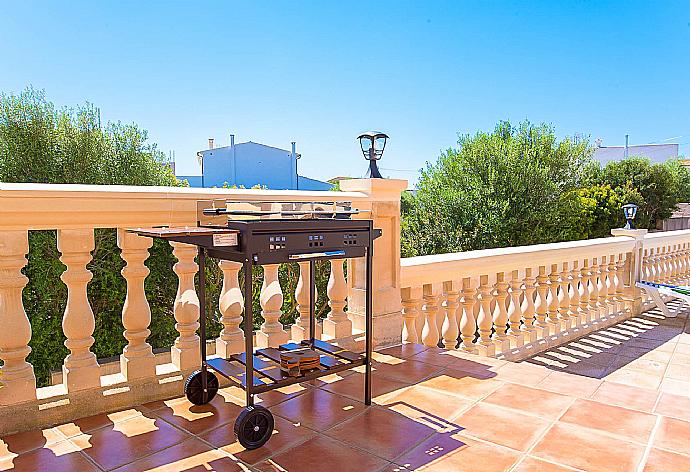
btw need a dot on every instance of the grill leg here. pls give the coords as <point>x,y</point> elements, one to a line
<point>369,330</point>
<point>248,332</point>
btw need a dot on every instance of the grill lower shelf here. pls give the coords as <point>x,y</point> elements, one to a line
<point>268,374</point>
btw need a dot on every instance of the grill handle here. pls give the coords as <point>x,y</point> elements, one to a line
<point>314,255</point>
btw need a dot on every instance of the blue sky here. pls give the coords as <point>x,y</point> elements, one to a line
<point>321,72</point>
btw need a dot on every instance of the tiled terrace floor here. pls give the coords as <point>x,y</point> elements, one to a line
<point>435,410</point>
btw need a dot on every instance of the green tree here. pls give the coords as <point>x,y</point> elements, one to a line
<point>510,187</point>
<point>661,186</point>
<point>39,143</point>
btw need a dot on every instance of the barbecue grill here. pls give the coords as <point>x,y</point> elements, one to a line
<point>256,233</point>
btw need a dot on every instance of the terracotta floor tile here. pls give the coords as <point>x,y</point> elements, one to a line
<point>683,348</point>
<point>404,350</point>
<point>322,453</point>
<point>531,464</point>
<point>408,372</point>
<point>629,424</point>
<point>437,357</point>
<point>452,452</point>
<point>664,461</point>
<point>679,358</point>
<point>522,373</point>
<point>635,378</point>
<point>676,406</point>
<point>465,384</point>
<point>587,369</point>
<point>381,432</point>
<point>502,426</point>
<point>59,457</point>
<point>268,399</point>
<point>530,400</point>
<point>626,396</point>
<point>678,372</point>
<point>643,365</point>
<point>128,441</point>
<point>353,386</point>
<point>570,384</point>
<point>318,409</point>
<point>92,423</point>
<point>588,450</point>
<point>674,435</point>
<point>20,443</point>
<point>196,419</point>
<point>189,455</point>
<point>677,387</point>
<point>286,434</point>
<point>480,367</point>
<point>433,408</point>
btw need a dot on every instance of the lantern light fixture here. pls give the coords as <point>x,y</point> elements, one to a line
<point>373,143</point>
<point>630,211</point>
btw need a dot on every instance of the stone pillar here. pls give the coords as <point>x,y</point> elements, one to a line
<point>231,306</point>
<point>634,266</point>
<point>337,325</point>
<point>185,352</point>
<point>137,359</point>
<point>17,379</point>
<point>384,202</point>
<point>272,333</point>
<point>80,370</point>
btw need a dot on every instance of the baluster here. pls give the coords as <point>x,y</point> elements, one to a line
<point>620,284</point>
<point>603,287</point>
<point>468,324</point>
<point>541,304</point>
<point>686,263</point>
<point>574,294</point>
<point>272,333</point>
<point>17,379</point>
<point>484,318</point>
<point>231,306</point>
<point>672,262</point>
<point>412,305</point>
<point>137,359</point>
<point>515,334</point>
<point>594,291</point>
<point>552,301</point>
<point>500,314</point>
<point>80,369</point>
<point>585,283</point>
<point>430,332</point>
<point>337,325</point>
<point>682,267</point>
<point>658,264</point>
<point>564,313</point>
<point>612,300</point>
<point>300,329</point>
<point>185,352</point>
<point>528,309</point>
<point>647,272</point>
<point>449,329</point>
<point>668,263</point>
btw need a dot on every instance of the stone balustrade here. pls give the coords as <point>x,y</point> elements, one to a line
<point>512,302</point>
<point>75,211</point>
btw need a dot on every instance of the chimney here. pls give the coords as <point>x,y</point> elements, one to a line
<point>232,140</point>
<point>626,147</point>
<point>210,143</point>
<point>293,148</point>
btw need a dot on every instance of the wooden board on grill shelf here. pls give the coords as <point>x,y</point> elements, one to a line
<point>297,361</point>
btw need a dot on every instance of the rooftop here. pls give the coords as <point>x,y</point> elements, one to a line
<point>619,396</point>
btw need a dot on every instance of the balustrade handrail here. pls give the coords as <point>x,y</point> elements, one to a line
<point>654,240</point>
<point>440,268</point>
<point>61,206</point>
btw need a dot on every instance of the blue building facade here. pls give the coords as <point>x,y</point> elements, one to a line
<point>249,164</point>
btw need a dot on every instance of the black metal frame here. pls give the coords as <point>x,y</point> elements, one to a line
<point>245,253</point>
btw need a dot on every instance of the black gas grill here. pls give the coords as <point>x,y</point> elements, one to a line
<point>259,233</point>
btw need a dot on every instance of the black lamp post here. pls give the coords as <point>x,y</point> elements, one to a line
<point>630,211</point>
<point>373,143</point>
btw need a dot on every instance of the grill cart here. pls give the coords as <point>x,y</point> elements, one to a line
<point>273,233</point>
